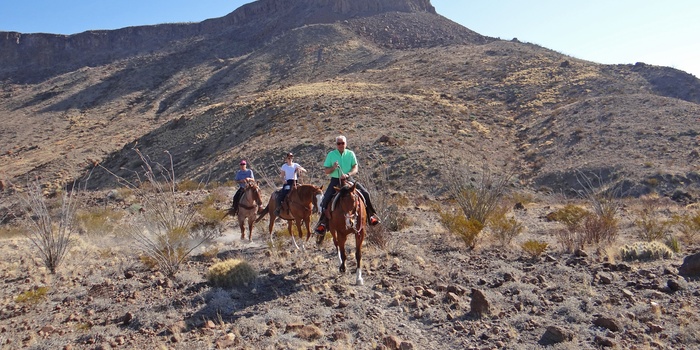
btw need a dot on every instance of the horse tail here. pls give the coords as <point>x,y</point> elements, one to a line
<point>263,213</point>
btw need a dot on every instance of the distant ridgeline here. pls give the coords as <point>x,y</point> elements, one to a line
<point>30,58</point>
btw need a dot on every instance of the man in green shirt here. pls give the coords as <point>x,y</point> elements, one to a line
<point>341,164</point>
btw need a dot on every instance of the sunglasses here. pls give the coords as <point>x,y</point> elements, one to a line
<point>340,143</point>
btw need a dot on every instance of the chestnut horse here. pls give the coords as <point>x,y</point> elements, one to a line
<point>248,207</point>
<point>347,215</point>
<point>299,204</point>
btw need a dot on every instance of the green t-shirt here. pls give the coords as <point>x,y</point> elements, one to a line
<point>346,161</point>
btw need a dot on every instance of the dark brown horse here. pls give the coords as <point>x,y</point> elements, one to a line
<point>347,216</point>
<point>248,207</point>
<point>298,207</point>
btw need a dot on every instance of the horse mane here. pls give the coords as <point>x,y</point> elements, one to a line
<point>345,189</point>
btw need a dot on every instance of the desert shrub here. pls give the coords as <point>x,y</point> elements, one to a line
<point>504,228</point>
<point>689,225</point>
<point>570,216</point>
<point>32,296</point>
<point>651,225</point>
<point>50,234</point>
<point>479,200</point>
<point>467,230</point>
<point>645,251</point>
<point>231,273</point>
<point>601,227</point>
<point>569,240</point>
<point>534,248</point>
<point>165,231</point>
<point>98,220</point>
<point>601,224</point>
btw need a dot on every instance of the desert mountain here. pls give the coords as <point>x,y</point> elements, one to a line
<point>415,93</point>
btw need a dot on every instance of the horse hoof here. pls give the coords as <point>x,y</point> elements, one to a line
<point>360,282</point>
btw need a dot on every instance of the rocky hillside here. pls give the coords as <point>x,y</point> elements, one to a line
<point>414,92</point>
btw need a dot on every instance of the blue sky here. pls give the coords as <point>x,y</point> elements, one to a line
<point>605,31</point>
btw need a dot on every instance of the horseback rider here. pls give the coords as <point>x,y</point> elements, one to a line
<point>341,164</point>
<point>289,172</point>
<point>242,176</point>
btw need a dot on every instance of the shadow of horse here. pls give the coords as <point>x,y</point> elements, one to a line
<point>347,215</point>
<point>298,207</point>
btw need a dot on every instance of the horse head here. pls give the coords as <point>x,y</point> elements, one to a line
<point>253,187</point>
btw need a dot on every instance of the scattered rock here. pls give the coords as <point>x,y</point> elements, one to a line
<point>607,323</point>
<point>479,304</point>
<point>555,334</point>
<point>604,341</point>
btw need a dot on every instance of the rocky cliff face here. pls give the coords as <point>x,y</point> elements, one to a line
<point>27,58</point>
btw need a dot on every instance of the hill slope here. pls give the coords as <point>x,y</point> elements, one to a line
<point>239,86</point>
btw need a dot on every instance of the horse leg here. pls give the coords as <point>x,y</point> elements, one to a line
<point>341,252</point>
<point>307,224</point>
<point>358,257</point>
<point>241,225</point>
<point>250,228</point>
<point>289,229</point>
<point>271,225</point>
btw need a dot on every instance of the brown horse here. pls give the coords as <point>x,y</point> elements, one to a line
<point>298,207</point>
<point>347,215</point>
<point>248,207</point>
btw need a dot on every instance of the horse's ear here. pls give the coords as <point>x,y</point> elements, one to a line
<point>321,188</point>
<point>352,188</point>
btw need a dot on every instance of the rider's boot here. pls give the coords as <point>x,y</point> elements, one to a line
<point>373,219</point>
<point>322,225</point>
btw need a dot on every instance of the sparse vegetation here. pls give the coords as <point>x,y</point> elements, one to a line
<point>32,296</point>
<point>689,225</point>
<point>49,234</point>
<point>467,230</point>
<point>534,248</point>
<point>651,226</point>
<point>166,230</point>
<point>478,203</point>
<point>98,221</point>
<point>503,227</point>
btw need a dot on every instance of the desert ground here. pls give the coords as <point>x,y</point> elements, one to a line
<point>423,289</point>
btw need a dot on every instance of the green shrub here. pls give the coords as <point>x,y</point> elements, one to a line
<point>645,251</point>
<point>505,228</point>
<point>466,229</point>
<point>231,273</point>
<point>33,296</point>
<point>534,248</point>
<point>570,215</point>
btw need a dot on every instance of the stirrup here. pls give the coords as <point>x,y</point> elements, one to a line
<point>320,229</point>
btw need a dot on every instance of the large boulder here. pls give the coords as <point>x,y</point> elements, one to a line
<point>691,266</point>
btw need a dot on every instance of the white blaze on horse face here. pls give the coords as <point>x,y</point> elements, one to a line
<point>350,221</point>
<point>319,200</point>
